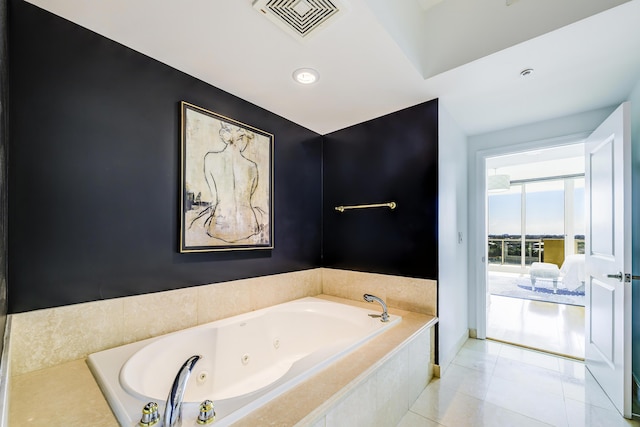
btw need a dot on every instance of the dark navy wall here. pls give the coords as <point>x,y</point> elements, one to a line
<point>4,89</point>
<point>94,172</point>
<point>391,158</point>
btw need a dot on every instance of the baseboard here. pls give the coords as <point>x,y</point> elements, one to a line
<point>436,371</point>
<point>444,363</point>
<point>473,333</point>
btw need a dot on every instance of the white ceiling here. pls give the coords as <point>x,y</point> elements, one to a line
<point>384,55</point>
<point>543,163</point>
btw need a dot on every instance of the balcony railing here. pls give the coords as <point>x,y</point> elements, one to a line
<point>508,251</point>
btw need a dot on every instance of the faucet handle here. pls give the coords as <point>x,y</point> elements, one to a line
<point>207,413</point>
<point>150,415</point>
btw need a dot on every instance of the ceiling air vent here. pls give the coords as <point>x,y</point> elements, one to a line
<point>299,18</point>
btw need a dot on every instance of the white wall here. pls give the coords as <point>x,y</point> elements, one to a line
<point>452,224</point>
<point>635,228</point>
<point>559,131</point>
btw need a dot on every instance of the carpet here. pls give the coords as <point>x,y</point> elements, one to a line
<point>517,286</point>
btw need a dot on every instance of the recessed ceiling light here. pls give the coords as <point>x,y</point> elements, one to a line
<point>526,72</point>
<point>306,76</point>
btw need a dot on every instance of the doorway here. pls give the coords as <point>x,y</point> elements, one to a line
<point>535,249</point>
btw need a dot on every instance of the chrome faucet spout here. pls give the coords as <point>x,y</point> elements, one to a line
<point>384,317</point>
<point>173,408</point>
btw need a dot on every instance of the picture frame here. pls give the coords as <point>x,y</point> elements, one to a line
<point>226,183</point>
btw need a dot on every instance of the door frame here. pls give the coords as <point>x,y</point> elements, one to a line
<point>478,204</point>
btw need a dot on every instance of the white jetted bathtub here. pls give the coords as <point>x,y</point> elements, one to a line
<point>246,360</point>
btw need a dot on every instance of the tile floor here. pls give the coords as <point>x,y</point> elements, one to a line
<point>556,328</point>
<point>494,384</point>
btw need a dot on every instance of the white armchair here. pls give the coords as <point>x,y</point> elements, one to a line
<point>572,272</point>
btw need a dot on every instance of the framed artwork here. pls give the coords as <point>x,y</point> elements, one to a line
<point>227,183</point>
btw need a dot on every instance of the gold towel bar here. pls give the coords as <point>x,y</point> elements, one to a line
<point>390,205</point>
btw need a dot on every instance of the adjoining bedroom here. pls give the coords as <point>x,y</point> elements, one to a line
<point>535,234</point>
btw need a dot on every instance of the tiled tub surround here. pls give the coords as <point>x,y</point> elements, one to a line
<point>60,338</point>
<point>245,360</point>
<point>44,338</point>
<point>405,293</point>
<point>372,387</point>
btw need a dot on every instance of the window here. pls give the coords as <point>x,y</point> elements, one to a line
<point>536,220</point>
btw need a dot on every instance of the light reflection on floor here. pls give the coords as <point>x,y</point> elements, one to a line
<point>556,328</point>
<point>491,384</point>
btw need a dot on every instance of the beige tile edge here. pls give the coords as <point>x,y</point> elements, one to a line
<point>405,293</point>
<point>436,371</point>
<point>49,337</point>
<point>63,395</point>
<point>326,406</point>
<point>5,377</point>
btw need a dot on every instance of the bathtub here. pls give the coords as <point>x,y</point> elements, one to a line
<point>247,360</point>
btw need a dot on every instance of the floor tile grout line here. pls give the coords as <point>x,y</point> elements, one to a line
<point>554,373</point>
<point>560,375</point>
<point>512,410</point>
<point>538,350</point>
<point>426,418</point>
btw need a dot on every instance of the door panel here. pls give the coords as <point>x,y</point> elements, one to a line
<point>601,206</point>
<point>602,314</point>
<point>608,257</point>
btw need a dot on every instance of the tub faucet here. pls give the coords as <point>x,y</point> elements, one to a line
<point>173,409</point>
<point>384,317</point>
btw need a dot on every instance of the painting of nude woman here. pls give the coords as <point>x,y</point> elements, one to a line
<point>227,173</point>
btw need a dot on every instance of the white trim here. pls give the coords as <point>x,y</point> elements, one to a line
<point>479,254</point>
<point>523,226</point>
<point>569,217</point>
<point>479,250</point>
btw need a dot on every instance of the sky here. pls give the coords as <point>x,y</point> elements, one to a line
<point>544,210</point>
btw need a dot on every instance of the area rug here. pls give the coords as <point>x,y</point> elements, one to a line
<point>520,287</point>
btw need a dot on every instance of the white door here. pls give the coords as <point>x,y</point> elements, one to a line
<point>608,257</point>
